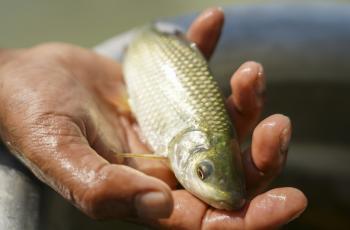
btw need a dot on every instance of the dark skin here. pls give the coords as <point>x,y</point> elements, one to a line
<point>62,113</point>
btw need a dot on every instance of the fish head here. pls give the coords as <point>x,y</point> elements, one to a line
<point>209,166</point>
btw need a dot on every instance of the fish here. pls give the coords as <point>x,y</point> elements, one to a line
<point>182,115</point>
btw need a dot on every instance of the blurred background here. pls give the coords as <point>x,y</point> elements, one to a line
<point>87,22</point>
<point>304,46</point>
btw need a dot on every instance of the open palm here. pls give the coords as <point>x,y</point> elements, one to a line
<point>63,114</point>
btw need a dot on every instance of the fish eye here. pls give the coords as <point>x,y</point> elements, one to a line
<point>204,169</point>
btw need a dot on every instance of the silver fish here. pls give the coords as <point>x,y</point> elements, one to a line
<point>182,115</point>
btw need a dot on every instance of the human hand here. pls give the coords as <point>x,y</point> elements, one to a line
<point>61,114</point>
<point>263,161</point>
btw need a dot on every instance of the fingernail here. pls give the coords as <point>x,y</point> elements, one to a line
<point>295,216</point>
<point>260,90</point>
<point>246,69</point>
<point>207,13</point>
<point>219,8</point>
<point>152,205</point>
<point>285,139</point>
<point>260,85</point>
<point>210,11</point>
<point>298,214</point>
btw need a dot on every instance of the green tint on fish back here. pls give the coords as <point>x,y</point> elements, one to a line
<point>182,115</point>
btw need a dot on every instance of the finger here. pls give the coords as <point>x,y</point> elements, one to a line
<point>206,29</point>
<point>275,208</point>
<point>104,190</point>
<point>266,211</point>
<point>268,153</point>
<point>246,102</point>
<point>270,210</point>
<point>68,164</point>
<point>153,167</point>
<point>187,214</point>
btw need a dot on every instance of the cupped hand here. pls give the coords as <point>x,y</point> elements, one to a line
<point>63,114</point>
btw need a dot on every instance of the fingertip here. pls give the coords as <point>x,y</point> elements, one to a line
<point>249,79</point>
<point>270,142</point>
<point>156,202</point>
<point>153,204</point>
<point>279,116</point>
<point>298,203</point>
<point>248,95</point>
<point>278,125</point>
<point>274,123</point>
<point>276,207</point>
<point>213,15</point>
<point>288,199</point>
<point>124,192</point>
<point>286,135</point>
<point>291,202</point>
<point>206,29</point>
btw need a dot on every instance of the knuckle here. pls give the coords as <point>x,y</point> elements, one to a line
<point>100,200</point>
<point>92,199</point>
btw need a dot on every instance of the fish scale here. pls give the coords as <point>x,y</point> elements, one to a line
<point>171,105</point>
<point>182,115</point>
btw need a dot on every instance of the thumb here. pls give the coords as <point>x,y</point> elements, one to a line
<point>122,192</point>
<point>103,190</point>
<point>100,189</point>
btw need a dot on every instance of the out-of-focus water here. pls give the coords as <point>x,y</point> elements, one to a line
<point>87,22</point>
<point>25,23</point>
